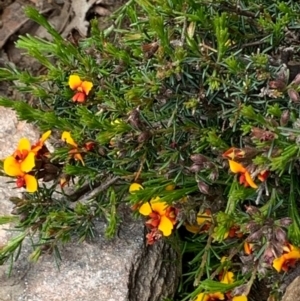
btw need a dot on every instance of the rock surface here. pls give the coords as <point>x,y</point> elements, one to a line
<point>121,269</point>
<point>89,271</point>
<point>293,291</point>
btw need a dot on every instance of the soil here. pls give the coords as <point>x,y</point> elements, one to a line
<point>65,16</point>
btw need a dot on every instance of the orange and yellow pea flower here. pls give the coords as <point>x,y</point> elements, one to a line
<point>234,153</point>
<point>162,216</point>
<point>288,259</point>
<point>82,88</point>
<point>245,177</point>
<point>20,164</point>
<point>66,136</point>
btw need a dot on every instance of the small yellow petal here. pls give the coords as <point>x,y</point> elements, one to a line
<point>202,297</point>
<point>24,144</point>
<point>236,167</point>
<point>145,209</point>
<point>240,298</point>
<point>278,263</point>
<point>28,163</point>
<point>228,278</point>
<point>45,136</point>
<point>31,183</point>
<point>12,167</point>
<point>158,206</point>
<point>223,259</point>
<point>134,187</point>
<point>86,87</point>
<point>74,82</point>
<point>165,226</point>
<point>249,180</point>
<point>66,136</point>
<point>170,187</point>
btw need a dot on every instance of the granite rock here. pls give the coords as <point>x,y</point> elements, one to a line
<point>292,292</point>
<point>96,270</point>
<point>120,269</point>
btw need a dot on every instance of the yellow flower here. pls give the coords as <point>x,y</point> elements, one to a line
<point>66,136</point>
<point>234,153</point>
<point>210,297</point>
<point>245,177</point>
<point>20,163</point>
<point>227,277</point>
<point>83,88</point>
<point>134,187</point>
<point>289,257</point>
<point>160,215</point>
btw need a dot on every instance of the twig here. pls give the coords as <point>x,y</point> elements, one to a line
<point>204,257</point>
<point>256,43</point>
<point>250,282</point>
<point>137,175</point>
<point>92,194</point>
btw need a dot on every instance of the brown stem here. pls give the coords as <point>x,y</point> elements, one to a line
<point>204,257</point>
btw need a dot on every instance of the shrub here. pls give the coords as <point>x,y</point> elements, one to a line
<point>190,116</point>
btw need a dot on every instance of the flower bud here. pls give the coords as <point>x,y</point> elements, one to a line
<point>280,235</point>
<point>277,84</point>
<point>252,226</point>
<point>285,117</point>
<point>296,80</point>
<point>143,137</point>
<point>195,168</point>
<point>294,95</point>
<point>262,135</point>
<point>203,187</point>
<point>198,159</point>
<point>285,221</point>
<point>252,210</point>
<point>214,175</point>
<point>268,255</point>
<point>134,119</point>
<point>255,236</point>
